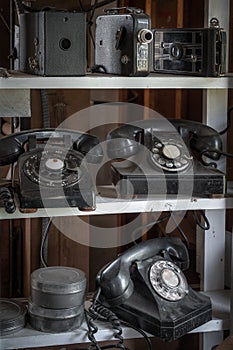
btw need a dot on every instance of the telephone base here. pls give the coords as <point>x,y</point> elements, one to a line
<point>130,180</point>
<point>31,200</point>
<point>41,186</point>
<point>168,320</point>
<point>167,330</point>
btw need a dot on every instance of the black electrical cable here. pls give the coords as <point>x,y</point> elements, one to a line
<point>148,225</point>
<point>206,225</point>
<point>186,241</point>
<point>4,21</point>
<point>134,96</point>
<point>228,121</point>
<point>90,22</point>
<point>81,5</point>
<point>19,7</point>
<point>225,154</point>
<point>206,152</point>
<point>139,330</point>
<point>46,124</point>
<point>43,240</point>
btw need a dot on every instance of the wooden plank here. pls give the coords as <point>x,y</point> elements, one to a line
<point>4,259</point>
<point>179,93</point>
<point>180,11</point>
<point>70,244</point>
<point>27,257</point>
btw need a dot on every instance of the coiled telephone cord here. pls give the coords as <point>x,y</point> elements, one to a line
<point>8,201</point>
<point>100,312</point>
<point>92,329</point>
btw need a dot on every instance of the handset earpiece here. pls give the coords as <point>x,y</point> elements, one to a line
<point>90,147</point>
<point>123,142</point>
<point>203,137</point>
<point>12,146</point>
<point>10,150</point>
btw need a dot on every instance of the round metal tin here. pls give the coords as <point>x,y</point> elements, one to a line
<point>55,320</point>
<point>58,287</point>
<point>12,316</point>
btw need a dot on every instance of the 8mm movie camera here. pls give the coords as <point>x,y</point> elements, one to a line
<point>123,42</point>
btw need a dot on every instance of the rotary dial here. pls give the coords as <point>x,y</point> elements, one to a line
<point>168,280</point>
<point>53,168</point>
<point>169,155</point>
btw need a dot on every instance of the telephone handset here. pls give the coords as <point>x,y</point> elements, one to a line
<point>197,136</point>
<point>52,170</point>
<point>12,146</point>
<point>146,287</point>
<point>115,281</point>
<point>174,147</point>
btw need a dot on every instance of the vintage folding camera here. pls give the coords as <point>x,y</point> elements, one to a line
<point>123,42</point>
<point>189,51</point>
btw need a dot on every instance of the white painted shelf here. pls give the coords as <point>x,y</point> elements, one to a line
<point>19,80</point>
<point>30,338</point>
<point>108,204</point>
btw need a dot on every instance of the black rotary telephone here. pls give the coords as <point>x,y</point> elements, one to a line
<point>52,169</point>
<point>145,286</point>
<point>174,148</point>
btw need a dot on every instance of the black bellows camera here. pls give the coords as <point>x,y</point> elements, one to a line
<point>53,43</point>
<point>190,51</point>
<point>123,42</point>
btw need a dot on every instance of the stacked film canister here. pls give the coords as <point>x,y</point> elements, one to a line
<point>57,299</point>
<point>12,316</point>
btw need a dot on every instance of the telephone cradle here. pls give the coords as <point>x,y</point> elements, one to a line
<point>145,286</point>
<point>52,167</point>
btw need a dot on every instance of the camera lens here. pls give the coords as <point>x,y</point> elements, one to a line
<point>145,36</point>
<point>65,44</point>
<point>176,51</point>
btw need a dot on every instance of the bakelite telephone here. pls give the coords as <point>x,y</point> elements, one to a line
<point>172,149</point>
<point>52,169</point>
<point>145,286</point>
